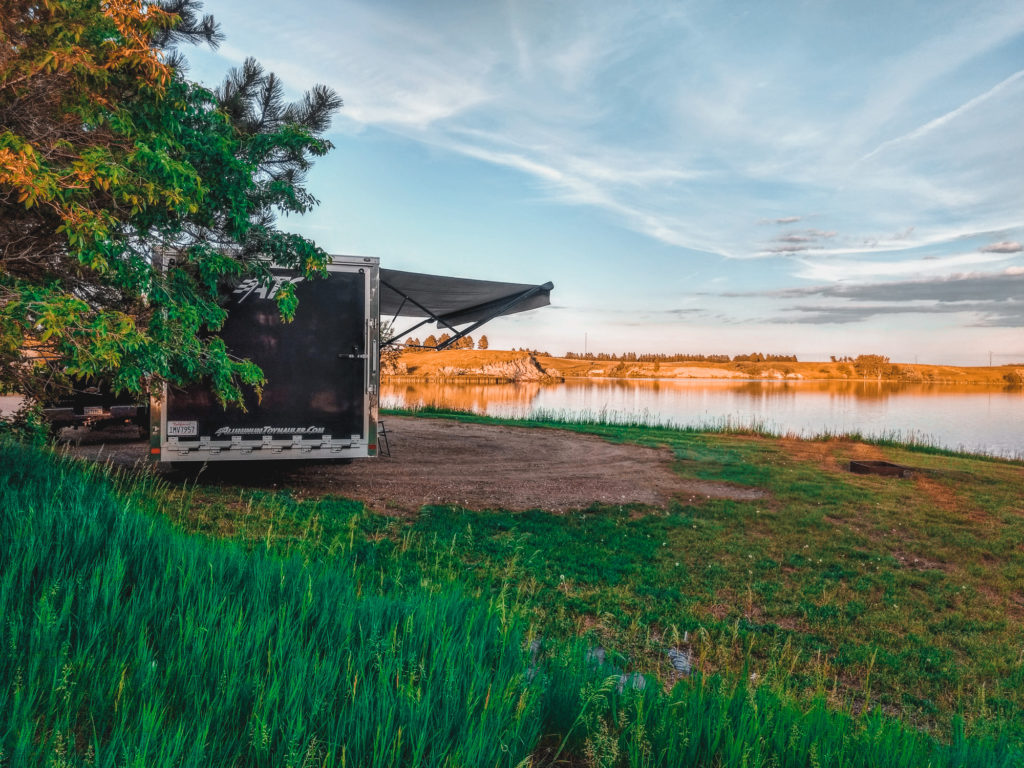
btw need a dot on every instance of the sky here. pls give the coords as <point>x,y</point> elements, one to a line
<point>812,178</point>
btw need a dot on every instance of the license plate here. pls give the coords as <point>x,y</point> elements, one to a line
<point>182,428</point>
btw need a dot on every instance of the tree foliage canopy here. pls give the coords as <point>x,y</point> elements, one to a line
<point>129,196</point>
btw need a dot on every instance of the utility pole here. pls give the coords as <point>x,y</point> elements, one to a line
<point>990,358</point>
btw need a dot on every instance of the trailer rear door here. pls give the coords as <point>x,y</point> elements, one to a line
<point>321,375</point>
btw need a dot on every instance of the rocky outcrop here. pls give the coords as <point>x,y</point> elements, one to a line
<point>524,368</point>
<point>392,366</point>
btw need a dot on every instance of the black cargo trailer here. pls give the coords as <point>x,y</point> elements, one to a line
<point>322,369</point>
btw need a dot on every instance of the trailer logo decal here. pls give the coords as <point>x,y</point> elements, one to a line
<point>248,287</point>
<point>270,431</point>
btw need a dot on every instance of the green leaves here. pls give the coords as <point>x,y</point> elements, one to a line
<point>286,301</point>
<point>134,194</point>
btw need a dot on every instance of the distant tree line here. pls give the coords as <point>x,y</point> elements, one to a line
<point>870,365</point>
<point>633,357</point>
<point>432,341</point>
<point>534,352</point>
<point>864,359</point>
<point>757,357</point>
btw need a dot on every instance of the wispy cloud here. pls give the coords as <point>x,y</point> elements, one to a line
<point>628,111</point>
<point>948,117</point>
<point>929,59</point>
<point>858,270</point>
<point>1004,247</point>
<point>829,315</point>
<point>821,152</point>
<point>987,299</point>
<point>984,315</point>
<point>992,286</point>
<point>800,240</point>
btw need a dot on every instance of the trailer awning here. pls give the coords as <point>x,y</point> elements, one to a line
<point>451,301</point>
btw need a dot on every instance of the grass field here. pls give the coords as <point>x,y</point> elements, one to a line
<point>843,620</point>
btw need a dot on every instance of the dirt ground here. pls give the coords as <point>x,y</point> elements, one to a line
<point>478,466</point>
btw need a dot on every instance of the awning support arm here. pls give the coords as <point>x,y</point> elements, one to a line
<point>398,311</point>
<point>518,298</point>
<point>397,336</point>
<point>411,300</point>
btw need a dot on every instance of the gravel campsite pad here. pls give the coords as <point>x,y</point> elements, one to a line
<point>477,466</point>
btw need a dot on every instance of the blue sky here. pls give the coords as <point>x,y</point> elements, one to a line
<point>802,177</point>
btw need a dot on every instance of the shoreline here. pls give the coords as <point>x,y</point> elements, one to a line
<point>478,379</point>
<point>503,366</point>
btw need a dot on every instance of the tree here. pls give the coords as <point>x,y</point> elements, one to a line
<point>483,343</point>
<point>390,354</point>
<point>430,341</point>
<point>443,339</point>
<point>111,162</point>
<point>873,365</point>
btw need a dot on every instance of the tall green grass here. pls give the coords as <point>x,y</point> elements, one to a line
<point>124,642</point>
<point>713,722</point>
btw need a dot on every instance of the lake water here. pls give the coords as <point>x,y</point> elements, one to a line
<point>975,418</point>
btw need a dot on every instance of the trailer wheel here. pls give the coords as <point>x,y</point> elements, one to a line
<point>188,467</point>
<point>141,420</point>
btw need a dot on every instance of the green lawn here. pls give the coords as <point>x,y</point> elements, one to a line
<point>908,594</point>
<point>842,620</point>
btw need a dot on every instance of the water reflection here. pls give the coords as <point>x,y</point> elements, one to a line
<point>516,397</point>
<point>973,417</point>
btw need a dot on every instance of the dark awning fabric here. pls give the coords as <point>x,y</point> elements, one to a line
<point>456,300</point>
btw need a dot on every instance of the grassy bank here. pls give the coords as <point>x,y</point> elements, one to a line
<point>151,625</point>
<point>903,594</point>
<point>643,428</point>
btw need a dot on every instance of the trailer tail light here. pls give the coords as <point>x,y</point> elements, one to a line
<point>154,451</point>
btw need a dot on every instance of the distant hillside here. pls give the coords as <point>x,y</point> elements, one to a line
<point>493,364</point>
<point>504,365</point>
